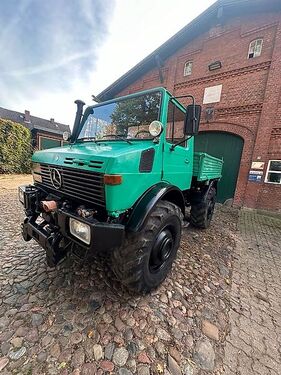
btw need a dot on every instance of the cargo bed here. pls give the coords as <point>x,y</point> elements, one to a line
<point>206,167</point>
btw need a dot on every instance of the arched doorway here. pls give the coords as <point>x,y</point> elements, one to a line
<point>229,147</point>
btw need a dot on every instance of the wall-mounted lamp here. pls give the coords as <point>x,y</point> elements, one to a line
<point>209,114</point>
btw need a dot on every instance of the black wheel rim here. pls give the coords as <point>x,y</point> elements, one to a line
<point>162,249</point>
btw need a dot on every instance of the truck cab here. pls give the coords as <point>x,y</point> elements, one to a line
<point>121,186</point>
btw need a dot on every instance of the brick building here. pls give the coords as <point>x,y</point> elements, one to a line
<point>229,58</point>
<point>44,133</point>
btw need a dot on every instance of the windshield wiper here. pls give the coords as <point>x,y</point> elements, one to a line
<point>117,136</point>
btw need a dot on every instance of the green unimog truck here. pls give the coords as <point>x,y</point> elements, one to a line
<point>121,186</point>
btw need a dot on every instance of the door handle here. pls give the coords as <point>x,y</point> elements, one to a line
<point>186,161</point>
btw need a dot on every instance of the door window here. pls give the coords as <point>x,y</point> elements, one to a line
<point>175,124</point>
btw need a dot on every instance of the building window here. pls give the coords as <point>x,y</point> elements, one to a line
<point>273,173</point>
<point>187,70</point>
<point>49,142</point>
<point>255,48</point>
<point>175,124</point>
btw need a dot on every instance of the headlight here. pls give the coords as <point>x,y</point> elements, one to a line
<point>80,230</point>
<point>155,128</point>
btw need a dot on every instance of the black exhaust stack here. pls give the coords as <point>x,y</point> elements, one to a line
<point>80,104</point>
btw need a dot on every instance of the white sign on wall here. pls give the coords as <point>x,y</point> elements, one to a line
<point>257,165</point>
<point>212,94</point>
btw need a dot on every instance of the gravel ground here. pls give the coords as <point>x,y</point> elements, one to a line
<point>12,181</point>
<point>254,344</point>
<point>77,319</point>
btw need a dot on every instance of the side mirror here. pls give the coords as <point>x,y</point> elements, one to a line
<point>192,119</point>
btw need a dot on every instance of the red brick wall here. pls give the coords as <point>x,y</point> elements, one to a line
<point>250,104</point>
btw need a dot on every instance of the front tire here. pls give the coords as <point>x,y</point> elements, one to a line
<point>146,257</point>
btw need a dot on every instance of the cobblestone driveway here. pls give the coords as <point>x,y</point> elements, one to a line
<point>78,319</point>
<point>253,347</point>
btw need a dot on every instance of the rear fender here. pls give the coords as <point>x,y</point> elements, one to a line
<point>147,202</point>
<point>199,196</point>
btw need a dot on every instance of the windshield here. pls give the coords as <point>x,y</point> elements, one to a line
<point>125,119</point>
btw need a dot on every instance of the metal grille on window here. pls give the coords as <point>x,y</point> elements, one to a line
<point>255,48</point>
<point>187,68</point>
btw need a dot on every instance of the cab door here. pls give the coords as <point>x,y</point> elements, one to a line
<point>177,162</point>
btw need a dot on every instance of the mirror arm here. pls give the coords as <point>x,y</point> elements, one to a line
<point>194,115</point>
<point>176,144</point>
<point>193,104</point>
<point>185,96</point>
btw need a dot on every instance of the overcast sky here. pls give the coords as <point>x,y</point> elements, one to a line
<point>55,51</point>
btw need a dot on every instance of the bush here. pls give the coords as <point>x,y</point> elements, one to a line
<point>15,148</point>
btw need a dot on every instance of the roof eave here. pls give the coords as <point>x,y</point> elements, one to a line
<point>196,27</point>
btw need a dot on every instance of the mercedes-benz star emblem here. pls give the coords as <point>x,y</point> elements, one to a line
<point>56,178</point>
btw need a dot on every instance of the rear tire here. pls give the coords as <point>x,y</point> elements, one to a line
<point>201,213</point>
<point>146,257</point>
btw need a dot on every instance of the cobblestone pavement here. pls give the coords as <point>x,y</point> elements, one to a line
<point>253,346</point>
<point>77,319</point>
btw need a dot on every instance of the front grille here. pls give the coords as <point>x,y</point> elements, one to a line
<point>78,184</point>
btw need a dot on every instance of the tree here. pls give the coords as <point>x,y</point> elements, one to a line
<point>15,148</point>
<point>138,111</point>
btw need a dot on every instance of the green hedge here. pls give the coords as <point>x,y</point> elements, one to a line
<point>15,148</point>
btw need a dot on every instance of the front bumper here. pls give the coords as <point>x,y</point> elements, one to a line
<point>53,238</point>
<point>104,236</point>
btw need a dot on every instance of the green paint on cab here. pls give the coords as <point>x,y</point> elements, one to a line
<point>123,157</point>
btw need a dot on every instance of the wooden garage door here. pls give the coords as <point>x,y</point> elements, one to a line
<point>229,147</point>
